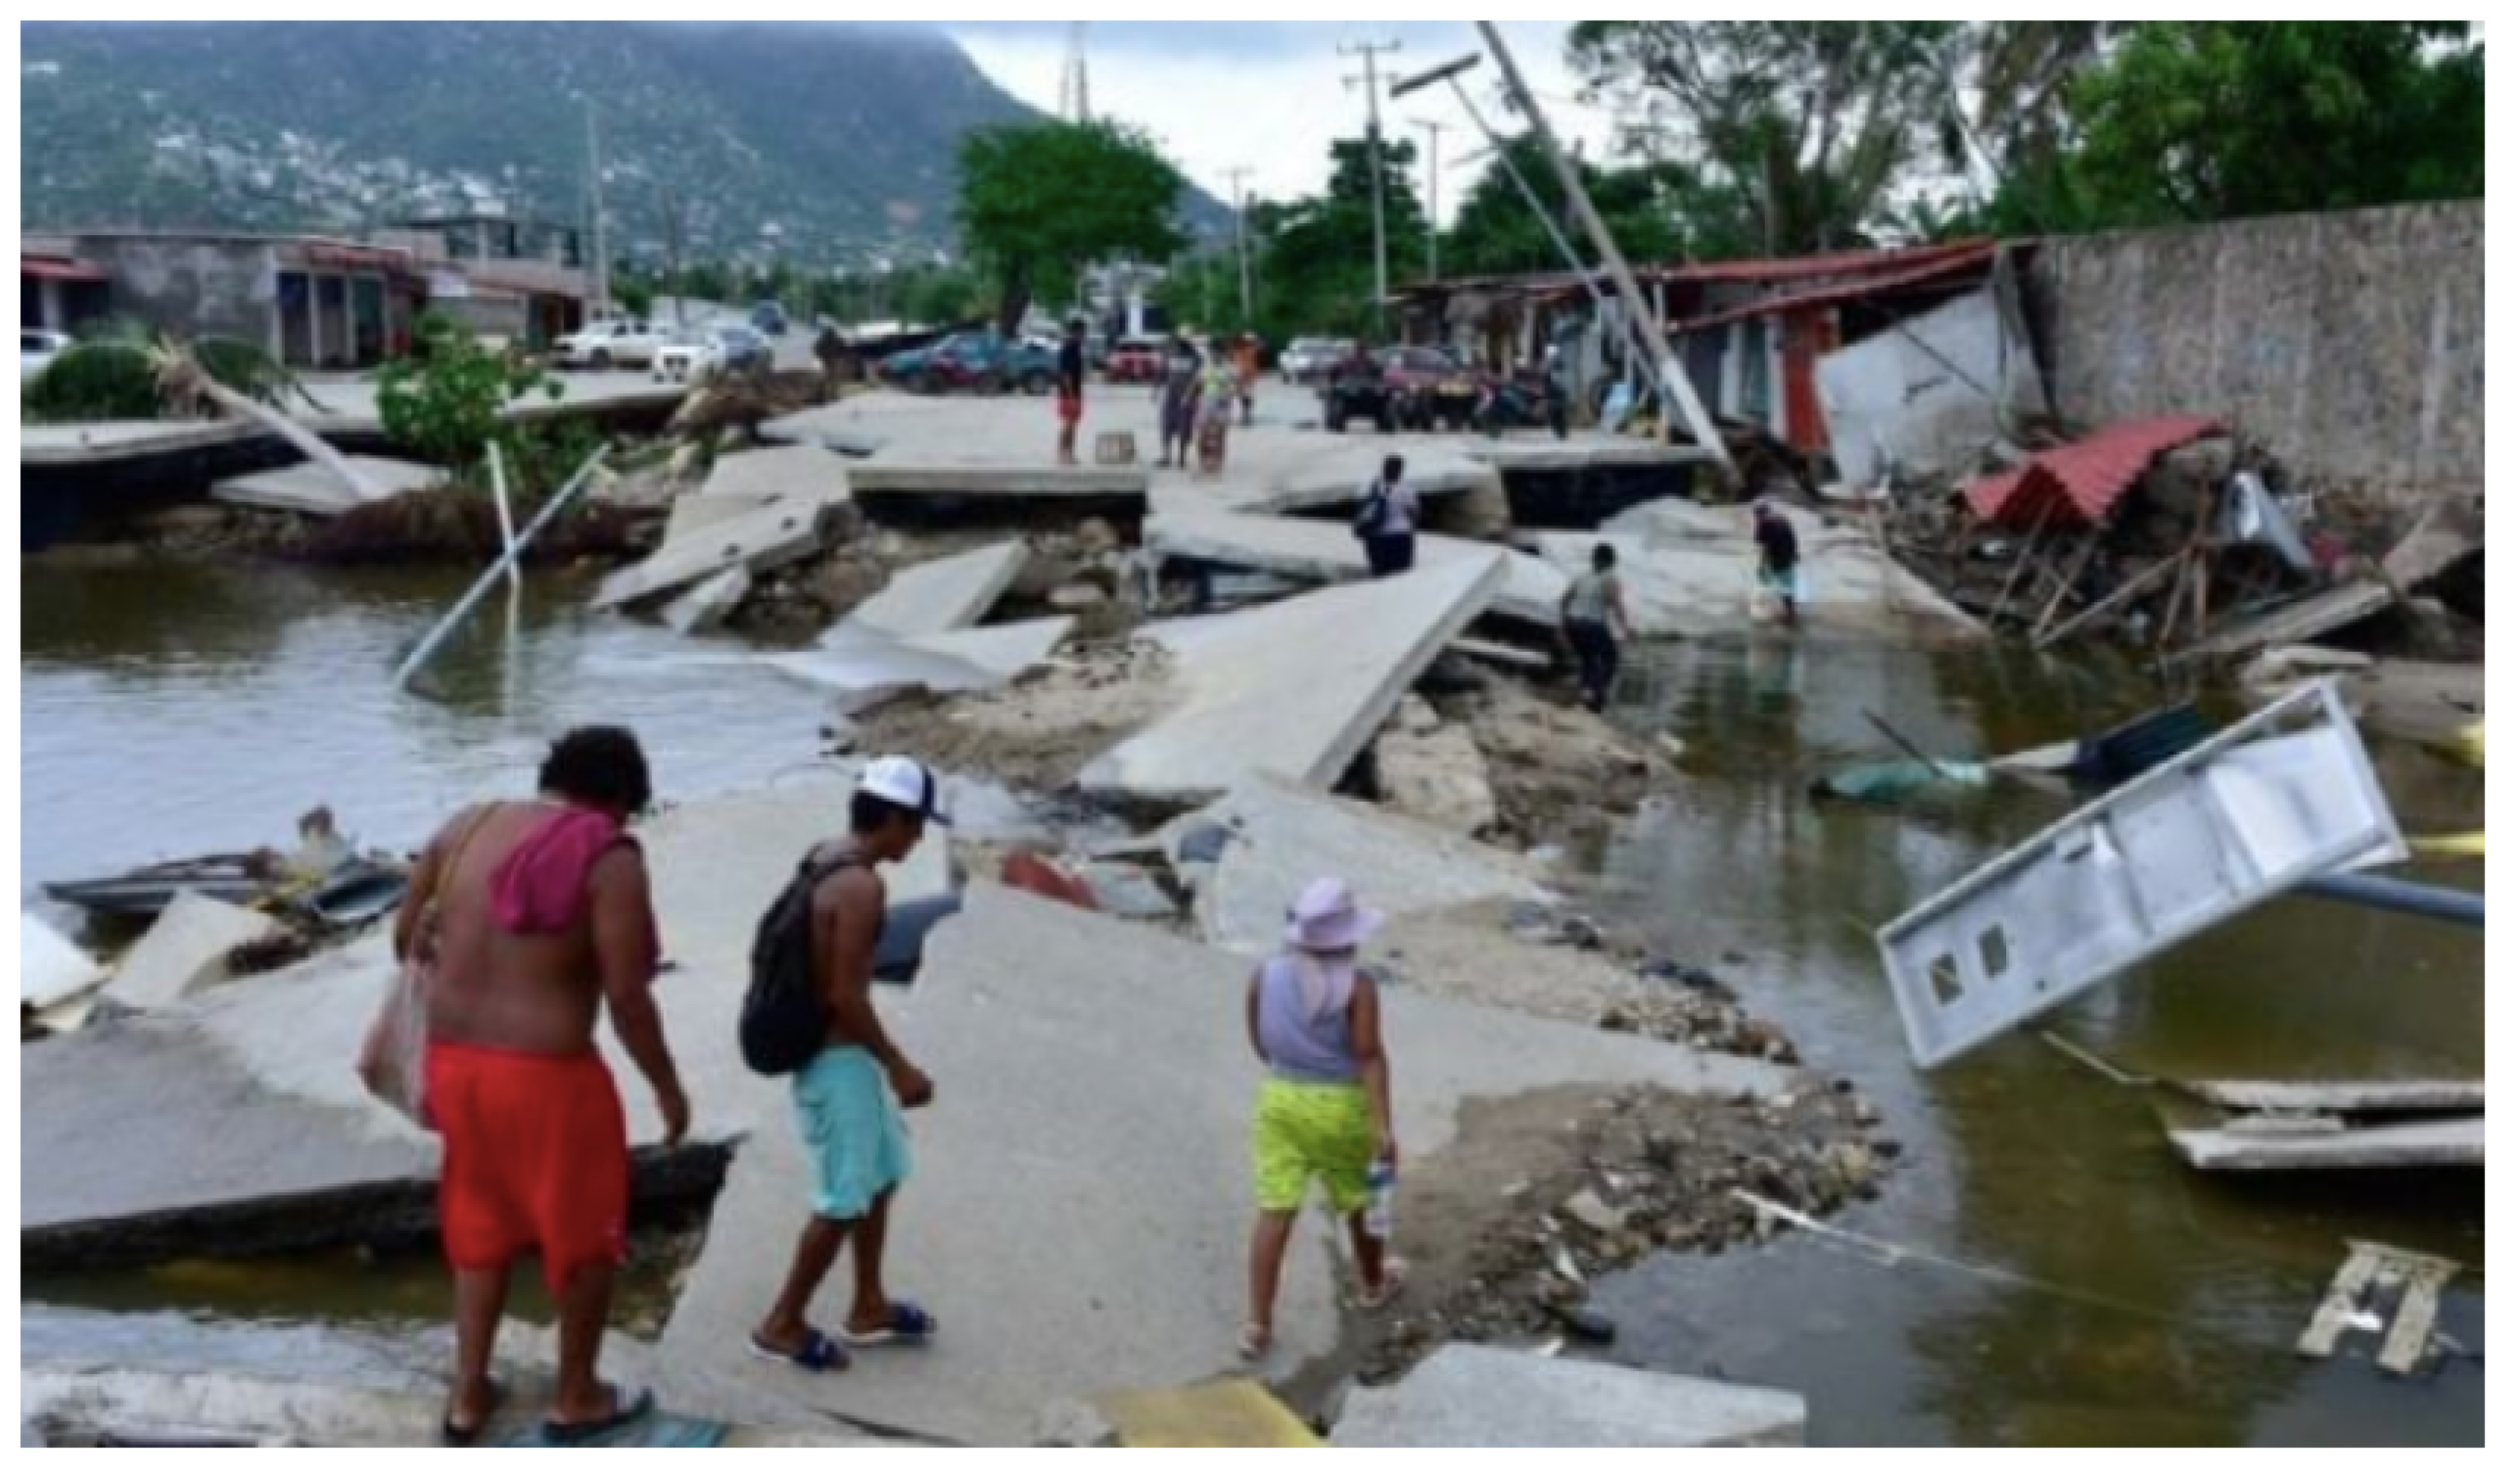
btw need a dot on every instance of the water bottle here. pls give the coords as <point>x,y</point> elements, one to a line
<point>1383,1189</point>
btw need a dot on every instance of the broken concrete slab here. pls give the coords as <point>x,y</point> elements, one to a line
<point>776,472</point>
<point>707,605</point>
<point>864,668</point>
<point>1465,495</point>
<point>940,493</point>
<point>1296,690</point>
<point>1133,1044</point>
<point>756,542</point>
<point>315,490</point>
<point>1692,572</point>
<point>1472,1397</point>
<point>186,950</point>
<point>1328,553</point>
<point>2281,1145</point>
<point>2351,1100</point>
<point>51,970</point>
<point>938,597</point>
<point>1285,837</point>
<point>2449,530</point>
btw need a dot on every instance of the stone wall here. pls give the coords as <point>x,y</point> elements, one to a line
<point>2352,344</point>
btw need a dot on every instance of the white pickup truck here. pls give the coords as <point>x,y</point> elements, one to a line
<point>612,343</point>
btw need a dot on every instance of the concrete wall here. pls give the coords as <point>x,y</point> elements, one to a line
<point>193,287</point>
<point>2353,344</point>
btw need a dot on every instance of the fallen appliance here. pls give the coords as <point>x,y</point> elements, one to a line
<point>2285,798</point>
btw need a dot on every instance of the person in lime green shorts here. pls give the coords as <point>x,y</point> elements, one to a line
<point>1325,1112</point>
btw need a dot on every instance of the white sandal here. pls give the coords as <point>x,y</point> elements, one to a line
<point>1395,1281</point>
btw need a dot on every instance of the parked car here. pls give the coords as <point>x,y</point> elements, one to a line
<point>36,351</point>
<point>612,343</point>
<point>984,363</point>
<point>1431,388</point>
<point>1355,388</point>
<point>770,320</point>
<point>1136,361</point>
<point>1308,361</point>
<point>730,348</point>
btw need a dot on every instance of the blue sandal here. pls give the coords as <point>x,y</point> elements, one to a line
<point>819,1356</point>
<point>910,1328</point>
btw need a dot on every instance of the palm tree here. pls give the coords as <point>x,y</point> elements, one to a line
<point>188,388</point>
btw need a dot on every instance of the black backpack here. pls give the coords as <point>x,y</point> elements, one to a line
<point>1370,518</point>
<point>785,1022</point>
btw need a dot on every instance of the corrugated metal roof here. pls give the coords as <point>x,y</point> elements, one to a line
<point>1786,269</point>
<point>2086,480</point>
<point>60,269</point>
<point>1944,265</point>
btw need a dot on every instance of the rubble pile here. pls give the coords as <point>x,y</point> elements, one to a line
<point>1642,1172</point>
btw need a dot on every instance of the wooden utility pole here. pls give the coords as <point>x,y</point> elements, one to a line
<point>1677,392</point>
<point>1374,53</point>
<point>601,280</point>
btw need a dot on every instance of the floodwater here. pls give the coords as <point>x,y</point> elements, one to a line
<point>2110,1297</point>
<point>2105,1294</point>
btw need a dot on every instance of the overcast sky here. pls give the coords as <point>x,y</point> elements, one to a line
<point>1267,96</point>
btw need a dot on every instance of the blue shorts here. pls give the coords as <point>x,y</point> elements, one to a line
<point>853,1134</point>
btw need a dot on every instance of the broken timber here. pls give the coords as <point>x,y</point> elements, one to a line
<point>2363,1285</point>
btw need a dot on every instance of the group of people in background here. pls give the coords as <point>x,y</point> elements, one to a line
<point>1206,388</point>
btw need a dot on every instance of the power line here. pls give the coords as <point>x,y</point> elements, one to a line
<point>1374,53</point>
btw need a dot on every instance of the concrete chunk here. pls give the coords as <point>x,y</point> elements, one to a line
<point>756,542</point>
<point>866,667</point>
<point>705,607</point>
<point>1328,553</point>
<point>936,597</point>
<point>1285,837</point>
<point>185,950</point>
<point>313,489</point>
<point>1296,690</point>
<point>51,970</point>
<point>2281,1145</point>
<point>1691,578</point>
<point>1470,1396</point>
<point>779,472</point>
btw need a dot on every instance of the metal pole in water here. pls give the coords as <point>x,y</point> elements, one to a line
<point>2441,905</point>
<point>507,514</point>
<point>427,651</point>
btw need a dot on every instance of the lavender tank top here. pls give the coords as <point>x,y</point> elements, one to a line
<point>1312,1051</point>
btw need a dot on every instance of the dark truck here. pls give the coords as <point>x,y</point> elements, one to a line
<point>1403,389</point>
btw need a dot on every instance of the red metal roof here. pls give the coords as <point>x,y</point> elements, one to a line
<point>2088,479</point>
<point>60,269</point>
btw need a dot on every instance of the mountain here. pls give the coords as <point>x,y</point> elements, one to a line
<point>828,145</point>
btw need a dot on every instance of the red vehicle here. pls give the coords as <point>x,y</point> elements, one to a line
<point>1136,361</point>
<point>1431,388</point>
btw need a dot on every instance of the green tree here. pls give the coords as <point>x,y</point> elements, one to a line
<point>449,400</point>
<point>2211,119</point>
<point>1660,211</point>
<point>1810,125</point>
<point>1315,256</point>
<point>1040,202</point>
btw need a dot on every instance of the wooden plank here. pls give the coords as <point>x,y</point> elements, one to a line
<point>2301,623</point>
<point>2127,594</point>
<point>2351,1100</point>
<point>2343,1301</point>
<point>2454,1144</point>
<point>2410,1337</point>
<point>2069,585</point>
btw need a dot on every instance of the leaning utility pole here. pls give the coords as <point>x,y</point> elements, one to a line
<point>1677,391</point>
<point>600,279</point>
<point>1435,132</point>
<point>1242,242</point>
<point>1374,53</point>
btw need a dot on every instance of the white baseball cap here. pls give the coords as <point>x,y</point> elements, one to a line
<point>907,783</point>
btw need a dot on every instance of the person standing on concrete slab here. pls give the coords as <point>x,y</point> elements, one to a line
<point>850,1101</point>
<point>540,922</point>
<point>1220,389</point>
<point>1324,1113</point>
<point>1071,390</point>
<point>1247,374</point>
<point>1388,523</point>
<point>1177,394</point>
<point>1780,563</point>
<point>1597,621</point>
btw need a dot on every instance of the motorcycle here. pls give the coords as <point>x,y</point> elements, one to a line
<point>1523,402</point>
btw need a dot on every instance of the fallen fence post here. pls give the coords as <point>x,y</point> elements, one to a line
<point>427,651</point>
<point>2127,594</point>
<point>2445,905</point>
<point>507,514</point>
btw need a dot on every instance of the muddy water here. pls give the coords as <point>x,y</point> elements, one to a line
<point>2117,1299</point>
<point>2112,1297</point>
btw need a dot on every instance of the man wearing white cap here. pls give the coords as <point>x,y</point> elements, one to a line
<point>1325,1115</point>
<point>850,1101</point>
